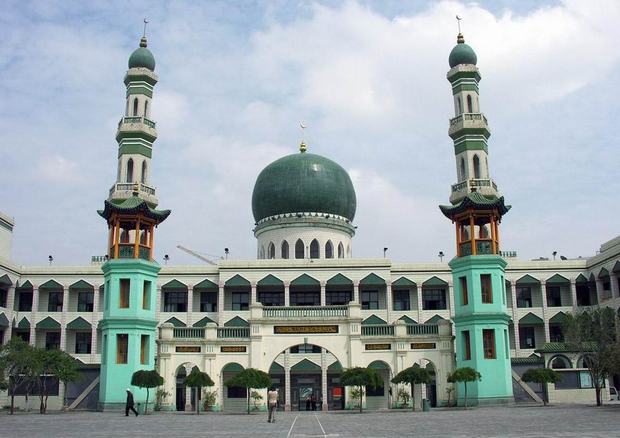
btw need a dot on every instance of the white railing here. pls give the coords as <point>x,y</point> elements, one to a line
<point>306,312</point>
<point>468,117</point>
<point>130,187</point>
<point>473,184</point>
<point>188,333</point>
<point>136,119</point>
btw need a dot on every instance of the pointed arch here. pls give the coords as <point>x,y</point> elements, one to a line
<point>314,249</point>
<point>459,106</point>
<point>144,169</point>
<point>284,250</point>
<point>463,173</point>
<point>271,251</point>
<point>146,108</point>
<point>129,178</point>
<point>470,108</point>
<point>329,250</point>
<point>299,249</point>
<point>476,161</point>
<point>340,250</point>
<point>135,107</point>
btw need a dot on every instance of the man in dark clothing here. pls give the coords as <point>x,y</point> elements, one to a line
<point>129,404</point>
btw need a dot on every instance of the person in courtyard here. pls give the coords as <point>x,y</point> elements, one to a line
<point>308,403</point>
<point>129,404</point>
<point>272,403</point>
<point>313,402</point>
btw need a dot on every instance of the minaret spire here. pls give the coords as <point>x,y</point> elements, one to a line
<point>303,147</point>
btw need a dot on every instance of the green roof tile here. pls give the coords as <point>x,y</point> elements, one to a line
<point>4,321</point>
<point>372,279</point>
<point>174,284</point>
<point>562,347</point>
<point>528,279</point>
<point>558,318</point>
<point>581,279</point>
<point>237,281</point>
<point>203,322</point>
<point>557,278</point>
<point>403,281</point>
<point>23,323</point>
<point>335,367</point>
<point>48,323</point>
<point>133,205</point>
<point>475,201</point>
<point>50,284</point>
<point>5,280</point>
<point>81,285</point>
<point>373,319</point>
<point>176,322</point>
<point>79,323</point>
<point>237,321</point>
<point>603,273</point>
<point>206,284</point>
<point>339,280</point>
<point>531,319</point>
<point>305,280</point>
<point>276,368</point>
<point>270,281</point>
<point>434,281</point>
<point>305,366</point>
<point>531,360</point>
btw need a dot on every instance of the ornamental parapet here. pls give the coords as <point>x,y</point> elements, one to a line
<point>486,187</point>
<point>136,125</point>
<point>126,190</point>
<point>470,121</point>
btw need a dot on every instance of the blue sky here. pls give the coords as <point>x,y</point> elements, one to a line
<point>368,78</point>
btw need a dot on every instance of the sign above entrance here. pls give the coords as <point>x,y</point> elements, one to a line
<point>188,349</point>
<point>233,349</point>
<point>304,329</point>
<point>375,347</point>
<point>423,346</point>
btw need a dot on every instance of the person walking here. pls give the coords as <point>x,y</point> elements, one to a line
<point>272,404</point>
<point>129,404</point>
<point>313,402</point>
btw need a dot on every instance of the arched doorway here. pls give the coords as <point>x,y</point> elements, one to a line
<point>185,397</point>
<point>379,398</point>
<point>234,398</point>
<point>431,388</point>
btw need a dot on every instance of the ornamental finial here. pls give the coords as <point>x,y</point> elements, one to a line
<point>302,146</point>
<point>143,39</point>
<point>459,39</point>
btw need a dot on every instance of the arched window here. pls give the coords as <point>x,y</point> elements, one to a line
<point>459,108</point>
<point>340,251</point>
<point>476,167</point>
<point>559,362</point>
<point>314,249</point>
<point>463,174</point>
<point>271,251</point>
<point>143,179</point>
<point>135,107</point>
<point>129,170</point>
<point>329,250</point>
<point>469,106</point>
<point>299,249</point>
<point>285,250</point>
<point>146,108</point>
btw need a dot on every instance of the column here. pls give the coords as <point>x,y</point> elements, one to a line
<point>515,320</point>
<point>324,405</point>
<point>10,300</point>
<point>322,293</point>
<point>573,293</point>
<point>287,382</point>
<point>220,304</point>
<point>599,290</point>
<point>543,291</point>
<point>188,392</point>
<point>451,298</point>
<point>63,318</point>
<point>157,303</point>
<point>389,304</point>
<point>253,294</point>
<point>190,304</point>
<point>615,292</point>
<point>287,295</point>
<point>94,322</point>
<point>356,292</point>
<point>35,309</point>
<point>419,297</point>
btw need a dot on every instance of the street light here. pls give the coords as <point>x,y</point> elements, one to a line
<point>51,259</point>
<point>440,255</point>
<point>554,254</point>
<point>166,258</point>
<point>226,252</point>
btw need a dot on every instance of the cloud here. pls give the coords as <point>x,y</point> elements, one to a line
<point>57,169</point>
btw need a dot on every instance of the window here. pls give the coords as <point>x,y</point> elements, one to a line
<point>554,296</point>
<point>305,349</point>
<point>459,108</point>
<point>560,362</point>
<point>52,340</point>
<point>144,349</point>
<point>466,345</point>
<point>524,296</point>
<point>337,298</point>
<point>146,295</point>
<point>555,333</point>
<point>486,288</point>
<point>401,300</point>
<point>305,298</point>
<point>285,250</point>
<point>3,295</point>
<point>464,294</point>
<point>236,392</point>
<point>329,250</point>
<point>82,343</point>
<point>146,108</point>
<point>143,179</point>
<point>122,341</point>
<point>175,301</point>
<point>299,249</point>
<point>208,301</point>
<point>575,380</point>
<point>469,105</point>
<point>135,106</point>
<point>526,337</point>
<point>476,167</point>
<point>124,293</point>
<point>85,302</point>
<point>379,391</point>
<point>54,302</point>
<point>314,249</point>
<point>370,299</point>
<point>340,251</point>
<point>25,302</point>
<point>240,300</point>
<point>129,170</point>
<point>488,341</point>
<point>434,299</point>
<point>271,251</point>
<point>463,173</point>
<point>271,298</point>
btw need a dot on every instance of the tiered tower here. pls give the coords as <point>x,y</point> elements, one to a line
<point>481,318</point>
<point>128,325</point>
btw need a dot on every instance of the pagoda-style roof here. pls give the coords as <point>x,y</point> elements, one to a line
<point>476,201</point>
<point>133,206</point>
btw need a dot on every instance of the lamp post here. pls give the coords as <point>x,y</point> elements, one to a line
<point>384,251</point>
<point>166,258</point>
<point>554,254</point>
<point>440,255</point>
<point>50,258</point>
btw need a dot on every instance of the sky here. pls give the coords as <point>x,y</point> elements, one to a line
<point>369,80</point>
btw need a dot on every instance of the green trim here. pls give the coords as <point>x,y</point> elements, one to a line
<point>24,323</point>
<point>237,321</point>
<point>4,321</point>
<point>50,284</point>
<point>270,281</point>
<point>174,284</point>
<point>372,279</point>
<point>334,368</point>
<point>603,273</point>
<point>339,280</point>
<point>581,279</point>
<point>136,133</point>
<point>276,368</point>
<point>133,206</point>
<point>207,284</point>
<point>558,318</point>
<point>48,323</point>
<point>132,76</point>
<point>373,320</point>
<point>527,279</point>
<point>435,319</point>
<point>557,278</point>
<point>531,360</point>
<point>403,281</point>
<point>464,74</point>
<point>471,145</point>
<point>408,320</point>
<point>81,285</point>
<point>531,319</point>
<point>465,87</point>
<point>616,267</point>
<point>378,365</point>
<point>434,281</point>
<point>138,89</point>
<point>232,367</point>
<point>26,285</point>
<point>305,366</point>
<point>79,323</point>
<point>237,281</point>
<point>176,322</point>
<point>135,149</point>
<point>476,201</point>
<point>203,322</point>
<point>561,347</point>
<point>6,280</point>
<point>305,280</point>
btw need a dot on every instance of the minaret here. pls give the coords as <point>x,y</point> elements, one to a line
<point>481,318</point>
<point>128,326</point>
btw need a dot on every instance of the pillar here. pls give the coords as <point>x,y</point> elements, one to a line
<point>515,319</point>
<point>287,382</point>
<point>451,298</point>
<point>543,291</point>
<point>220,304</point>
<point>190,304</point>
<point>324,405</point>
<point>615,292</point>
<point>389,305</point>
<point>356,292</point>
<point>63,318</point>
<point>253,294</point>
<point>287,295</point>
<point>418,294</point>
<point>93,322</point>
<point>157,301</point>
<point>599,290</point>
<point>35,309</point>
<point>188,392</point>
<point>322,293</point>
<point>10,300</point>
<point>573,293</point>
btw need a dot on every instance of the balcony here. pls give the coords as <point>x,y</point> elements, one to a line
<point>475,121</point>
<point>188,333</point>
<point>486,187</point>
<point>306,312</point>
<point>198,333</point>
<point>411,330</point>
<point>125,190</point>
<point>233,332</point>
<point>136,125</point>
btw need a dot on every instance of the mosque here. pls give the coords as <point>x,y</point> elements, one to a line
<point>305,309</point>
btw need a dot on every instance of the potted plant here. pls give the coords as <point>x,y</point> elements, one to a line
<point>209,399</point>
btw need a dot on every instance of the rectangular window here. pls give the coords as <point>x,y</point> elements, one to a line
<point>122,347</point>
<point>506,345</point>
<point>488,342</point>
<point>555,333</point>
<point>54,302</point>
<point>575,380</point>
<point>3,294</point>
<point>526,337</point>
<point>25,302</point>
<point>236,392</point>
<point>85,301</point>
<point>466,345</point>
<point>554,296</point>
<point>434,299</point>
<point>208,301</point>
<point>240,301</point>
<point>52,340</point>
<point>146,295</point>
<point>82,343</point>
<point>271,298</point>
<point>125,285</point>
<point>401,300</point>
<point>106,295</point>
<point>305,349</point>
<point>310,298</point>
<point>337,298</point>
<point>464,293</point>
<point>175,302</point>
<point>503,283</point>
<point>486,289</point>
<point>370,299</point>
<point>144,349</point>
<point>524,296</point>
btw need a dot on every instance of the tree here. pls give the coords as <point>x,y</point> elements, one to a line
<point>464,375</point>
<point>414,375</point>
<point>250,378</point>
<point>542,376</point>
<point>593,334</point>
<point>198,379</point>
<point>52,363</point>
<point>361,378</point>
<point>146,379</point>
<point>16,359</point>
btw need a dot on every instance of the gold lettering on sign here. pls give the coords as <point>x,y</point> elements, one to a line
<point>378,346</point>
<point>233,349</point>
<point>423,345</point>
<point>188,349</point>
<point>304,329</point>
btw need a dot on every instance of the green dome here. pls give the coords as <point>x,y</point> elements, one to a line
<point>462,54</point>
<point>301,183</point>
<point>142,57</point>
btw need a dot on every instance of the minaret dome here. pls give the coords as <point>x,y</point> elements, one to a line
<point>462,53</point>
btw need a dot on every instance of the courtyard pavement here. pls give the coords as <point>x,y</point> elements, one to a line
<point>553,421</point>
